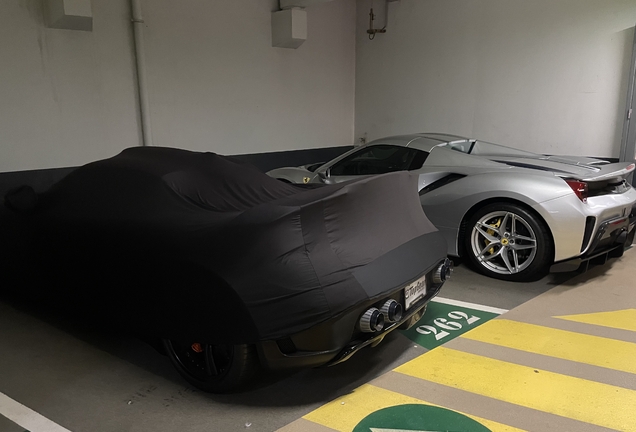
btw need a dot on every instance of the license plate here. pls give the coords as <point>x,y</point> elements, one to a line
<point>414,291</point>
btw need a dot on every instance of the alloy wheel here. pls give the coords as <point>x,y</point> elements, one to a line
<point>503,242</point>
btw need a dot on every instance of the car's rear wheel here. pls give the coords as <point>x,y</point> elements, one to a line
<point>506,241</point>
<point>213,368</point>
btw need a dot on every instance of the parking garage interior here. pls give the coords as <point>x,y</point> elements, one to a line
<point>290,82</point>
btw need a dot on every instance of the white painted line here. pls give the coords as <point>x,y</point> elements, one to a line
<point>26,417</point>
<point>469,305</point>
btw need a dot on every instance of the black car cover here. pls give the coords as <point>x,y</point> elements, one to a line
<point>200,245</point>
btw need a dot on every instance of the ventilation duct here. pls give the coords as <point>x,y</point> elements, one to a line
<point>288,4</point>
<point>289,28</point>
<point>69,14</point>
<point>289,25</point>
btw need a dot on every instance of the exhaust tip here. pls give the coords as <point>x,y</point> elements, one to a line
<point>372,321</point>
<point>443,272</point>
<point>392,310</point>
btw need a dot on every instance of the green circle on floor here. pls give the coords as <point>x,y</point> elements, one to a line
<point>418,418</point>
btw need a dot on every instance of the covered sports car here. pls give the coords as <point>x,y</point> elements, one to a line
<point>229,267</point>
<point>511,213</point>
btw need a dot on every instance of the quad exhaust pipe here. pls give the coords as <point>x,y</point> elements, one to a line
<point>392,310</point>
<point>443,272</point>
<point>372,320</point>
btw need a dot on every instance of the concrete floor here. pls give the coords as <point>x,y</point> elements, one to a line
<point>85,379</point>
<point>563,361</point>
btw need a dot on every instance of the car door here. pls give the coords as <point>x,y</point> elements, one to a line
<point>374,160</point>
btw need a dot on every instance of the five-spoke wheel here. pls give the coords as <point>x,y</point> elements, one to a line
<point>508,242</point>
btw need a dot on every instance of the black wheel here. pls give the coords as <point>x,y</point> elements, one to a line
<point>213,368</point>
<point>505,241</point>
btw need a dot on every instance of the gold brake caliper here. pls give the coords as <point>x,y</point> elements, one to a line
<point>492,232</point>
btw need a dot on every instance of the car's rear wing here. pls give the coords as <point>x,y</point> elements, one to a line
<point>613,171</point>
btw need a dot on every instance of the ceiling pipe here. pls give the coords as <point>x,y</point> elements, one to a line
<point>144,105</point>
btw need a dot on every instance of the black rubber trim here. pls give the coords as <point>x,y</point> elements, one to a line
<point>590,221</point>
<point>530,166</point>
<point>441,182</point>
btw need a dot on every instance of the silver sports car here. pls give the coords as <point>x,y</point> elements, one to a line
<point>511,213</point>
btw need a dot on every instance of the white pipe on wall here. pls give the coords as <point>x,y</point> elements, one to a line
<point>144,105</point>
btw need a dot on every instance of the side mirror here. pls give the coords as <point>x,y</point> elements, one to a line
<point>324,175</point>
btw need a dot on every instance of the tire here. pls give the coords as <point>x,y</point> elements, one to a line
<point>213,368</point>
<point>521,247</point>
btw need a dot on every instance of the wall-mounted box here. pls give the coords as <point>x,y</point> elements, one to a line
<point>288,4</point>
<point>69,14</point>
<point>289,28</point>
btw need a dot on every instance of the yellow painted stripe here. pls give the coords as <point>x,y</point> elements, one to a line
<point>344,413</point>
<point>588,401</point>
<point>579,347</point>
<point>621,319</point>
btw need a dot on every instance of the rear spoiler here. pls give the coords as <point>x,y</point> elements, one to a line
<point>617,171</point>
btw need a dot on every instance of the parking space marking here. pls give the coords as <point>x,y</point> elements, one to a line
<point>621,319</point>
<point>7,425</point>
<point>344,413</point>
<point>26,417</point>
<point>579,399</point>
<point>468,305</point>
<point>443,322</point>
<point>561,344</point>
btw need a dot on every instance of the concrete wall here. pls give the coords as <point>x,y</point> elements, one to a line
<point>214,80</point>
<point>543,75</point>
<point>66,97</point>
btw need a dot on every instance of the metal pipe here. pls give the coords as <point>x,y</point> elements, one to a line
<point>144,105</point>
<point>628,140</point>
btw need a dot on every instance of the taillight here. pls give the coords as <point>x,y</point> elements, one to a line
<point>579,188</point>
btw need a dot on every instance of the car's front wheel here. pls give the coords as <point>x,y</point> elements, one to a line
<point>213,368</point>
<point>506,241</point>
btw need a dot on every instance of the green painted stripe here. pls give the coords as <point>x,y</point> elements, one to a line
<point>346,412</point>
<point>444,322</point>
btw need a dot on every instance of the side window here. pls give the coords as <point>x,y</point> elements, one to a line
<point>379,159</point>
<point>462,146</point>
<point>418,159</point>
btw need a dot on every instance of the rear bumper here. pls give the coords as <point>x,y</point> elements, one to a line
<point>576,226</point>
<point>609,240</point>
<point>409,320</point>
<point>337,339</point>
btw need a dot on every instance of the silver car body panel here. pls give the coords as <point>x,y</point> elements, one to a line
<point>488,172</point>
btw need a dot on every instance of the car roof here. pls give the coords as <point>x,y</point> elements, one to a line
<point>422,141</point>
